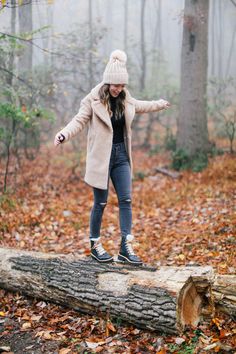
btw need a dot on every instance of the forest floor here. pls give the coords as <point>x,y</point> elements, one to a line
<point>182,221</point>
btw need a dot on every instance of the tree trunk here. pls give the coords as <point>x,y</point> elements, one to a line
<point>126,4</point>
<point>157,52</point>
<point>192,131</point>
<point>12,53</point>
<point>90,22</point>
<point>26,26</point>
<point>143,50</point>
<point>165,299</point>
<point>224,292</point>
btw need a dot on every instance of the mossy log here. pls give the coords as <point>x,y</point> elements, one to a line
<point>164,299</point>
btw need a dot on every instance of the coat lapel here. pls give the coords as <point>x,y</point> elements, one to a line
<point>101,112</point>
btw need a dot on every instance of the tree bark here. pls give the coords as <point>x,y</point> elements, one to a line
<point>165,299</point>
<point>126,5</point>
<point>192,131</point>
<point>143,46</point>
<point>90,22</point>
<point>224,292</point>
<point>26,26</point>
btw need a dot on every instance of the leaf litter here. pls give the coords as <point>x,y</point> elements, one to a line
<point>190,220</point>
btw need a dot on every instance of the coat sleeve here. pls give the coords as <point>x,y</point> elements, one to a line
<point>79,121</point>
<point>148,106</point>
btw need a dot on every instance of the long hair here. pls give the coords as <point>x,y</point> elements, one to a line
<point>104,95</point>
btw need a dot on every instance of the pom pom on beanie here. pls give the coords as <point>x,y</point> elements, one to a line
<point>118,55</point>
<point>115,71</point>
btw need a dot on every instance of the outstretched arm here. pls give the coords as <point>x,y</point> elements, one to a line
<point>76,124</point>
<point>150,106</point>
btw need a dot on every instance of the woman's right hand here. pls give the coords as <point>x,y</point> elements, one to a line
<point>59,139</point>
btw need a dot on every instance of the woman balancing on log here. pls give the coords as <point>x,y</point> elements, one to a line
<point>108,110</point>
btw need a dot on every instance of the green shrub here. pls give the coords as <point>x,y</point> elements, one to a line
<point>181,160</point>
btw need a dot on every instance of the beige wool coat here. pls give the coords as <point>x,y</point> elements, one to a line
<point>100,133</point>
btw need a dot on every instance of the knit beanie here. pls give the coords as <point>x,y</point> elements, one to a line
<point>115,71</point>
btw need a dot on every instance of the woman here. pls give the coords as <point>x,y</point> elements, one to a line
<point>108,110</point>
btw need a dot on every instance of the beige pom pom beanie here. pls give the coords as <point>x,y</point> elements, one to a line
<point>115,71</point>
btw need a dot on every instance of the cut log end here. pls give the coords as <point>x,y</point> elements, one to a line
<point>191,306</point>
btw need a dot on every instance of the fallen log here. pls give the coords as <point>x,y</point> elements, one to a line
<point>164,299</point>
<point>224,292</point>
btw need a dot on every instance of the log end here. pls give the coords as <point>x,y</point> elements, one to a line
<point>189,306</point>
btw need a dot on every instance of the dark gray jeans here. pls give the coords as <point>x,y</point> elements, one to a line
<point>119,171</point>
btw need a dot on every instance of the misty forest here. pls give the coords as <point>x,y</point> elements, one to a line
<point>78,79</point>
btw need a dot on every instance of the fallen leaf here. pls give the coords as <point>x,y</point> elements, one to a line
<point>64,351</point>
<point>44,334</point>
<point>162,351</point>
<point>26,325</point>
<point>110,326</point>
<point>92,345</point>
<point>36,318</point>
<point>179,340</point>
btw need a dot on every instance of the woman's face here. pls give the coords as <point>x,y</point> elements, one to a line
<point>115,90</point>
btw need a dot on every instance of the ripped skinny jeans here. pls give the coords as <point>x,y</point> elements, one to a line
<point>120,174</point>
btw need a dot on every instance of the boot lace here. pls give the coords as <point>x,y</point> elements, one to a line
<point>100,250</point>
<point>128,246</point>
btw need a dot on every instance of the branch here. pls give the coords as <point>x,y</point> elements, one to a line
<point>17,77</point>
<point>28,41</point>
<point>32,88</point>
<point>43,49</point>
<point>233,2</point>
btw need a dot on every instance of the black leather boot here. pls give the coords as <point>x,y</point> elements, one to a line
<point>98,252</point>
<point>126,252</point>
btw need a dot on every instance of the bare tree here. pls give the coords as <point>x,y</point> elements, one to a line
<point>90,45</point>
<point>125,24</point>
<point>26,26</point>
<point>213,19</point>
<point>143,50</point>
<point>12,54</point>
<point>192,131</point>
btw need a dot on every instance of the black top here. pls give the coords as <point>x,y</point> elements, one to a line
<point>118,122</point>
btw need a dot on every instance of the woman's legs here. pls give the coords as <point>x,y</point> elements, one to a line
<point>121,178</point>
<point>97,250</point>
<point>100,201</point>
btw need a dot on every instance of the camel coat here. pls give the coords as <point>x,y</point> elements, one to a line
<point>100,133</point>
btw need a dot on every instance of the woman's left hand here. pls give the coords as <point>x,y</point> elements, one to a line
<point>165,104</point>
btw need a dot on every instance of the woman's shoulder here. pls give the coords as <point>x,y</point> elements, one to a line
<point>94,93</point>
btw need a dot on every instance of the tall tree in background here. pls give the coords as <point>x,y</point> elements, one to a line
<point>157,52</point>
<point>13,32</point>
<point>125,25</point>
<point>143,50</point>
<point>213,16</point>
<point>26,26</point>
<point>90,44</point>
<point>192,131</point>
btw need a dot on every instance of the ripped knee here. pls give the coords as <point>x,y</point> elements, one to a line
<point>102,205</point>
<point>125,201</point>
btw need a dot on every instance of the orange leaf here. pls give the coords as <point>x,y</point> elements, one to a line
<point>162,351</point>
<point>110,326</point>
<point>216,321</point>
